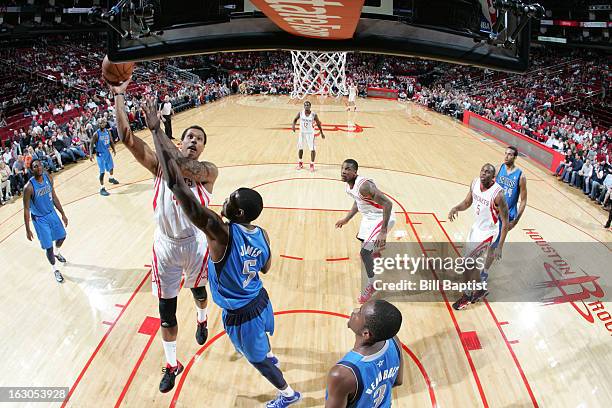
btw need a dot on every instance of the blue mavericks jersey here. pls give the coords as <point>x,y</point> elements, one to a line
<point>234,281</point>
<point>375,375</point>
<point>41,203</point>
<point>103,143</point>
<point>510,184</point>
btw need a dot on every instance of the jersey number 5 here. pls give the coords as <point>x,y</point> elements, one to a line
<point>246,270</point>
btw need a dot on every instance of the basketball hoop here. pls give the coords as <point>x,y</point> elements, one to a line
<point>318,73</point>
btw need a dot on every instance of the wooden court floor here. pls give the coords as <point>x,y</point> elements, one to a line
<point>97,333</point>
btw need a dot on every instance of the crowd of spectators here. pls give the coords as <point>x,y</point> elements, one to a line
<point>52,98</point>
<point>51,101</point>
<point>550,103</point>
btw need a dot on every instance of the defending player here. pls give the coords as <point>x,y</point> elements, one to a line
<point>101,145</point>
<point>513,181</point>
<point>365,375</point>
<point>39,200</point>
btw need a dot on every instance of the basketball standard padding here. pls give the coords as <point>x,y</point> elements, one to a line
<point>116,74</point>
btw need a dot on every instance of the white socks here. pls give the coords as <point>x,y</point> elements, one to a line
<point>201,314</point>
<point>287,392</point>
<point>170,352</point>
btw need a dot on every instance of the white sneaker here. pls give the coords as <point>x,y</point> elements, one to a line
<point>58,276</point>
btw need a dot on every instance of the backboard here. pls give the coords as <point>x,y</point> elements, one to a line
<point>462,31</point>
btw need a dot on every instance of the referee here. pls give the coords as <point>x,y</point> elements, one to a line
<point>166,113</point>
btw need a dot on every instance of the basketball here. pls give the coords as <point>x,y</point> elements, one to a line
<point>116,74</point>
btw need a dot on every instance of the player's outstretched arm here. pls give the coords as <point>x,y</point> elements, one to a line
<point>139,149</point>
<point>340,384</point>
<point>462,206</point>
<point>153,123</point>
<point>205,219</point>
<point>201,172</point>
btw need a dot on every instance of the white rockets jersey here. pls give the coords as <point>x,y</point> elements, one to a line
<point>306,122</point>
<point>485,212</point>
<point>365,206</point>
<point>169,216</point>
<point>352,91</point>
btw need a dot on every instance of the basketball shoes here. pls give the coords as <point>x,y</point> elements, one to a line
<point>463,302</point>
<point>299,166</point>
<point>170,373</point>
<point>58,276</point>
<point>479,295</point>
<point>202,332</point>
<point>367,294</point>
<point>281,401</point>
<point>312,167</point>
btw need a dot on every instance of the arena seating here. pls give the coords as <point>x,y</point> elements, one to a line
<point>56,83</point>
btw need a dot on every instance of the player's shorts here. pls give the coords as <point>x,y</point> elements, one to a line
<point>479,241</point>
<point>248,327</point>
<point>370,228</point>
<point>351,97</point>
<point>105,162</point>
<point>174,257</point>
<point>306,139</point>
<point>48,228</point>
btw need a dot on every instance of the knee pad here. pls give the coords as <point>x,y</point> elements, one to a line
<point>200,293</point>
<point>167,312</point>
<point>368,262</point>
<point>365,254</point>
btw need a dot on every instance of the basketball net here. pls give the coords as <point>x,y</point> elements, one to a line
<point>318,73</point>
